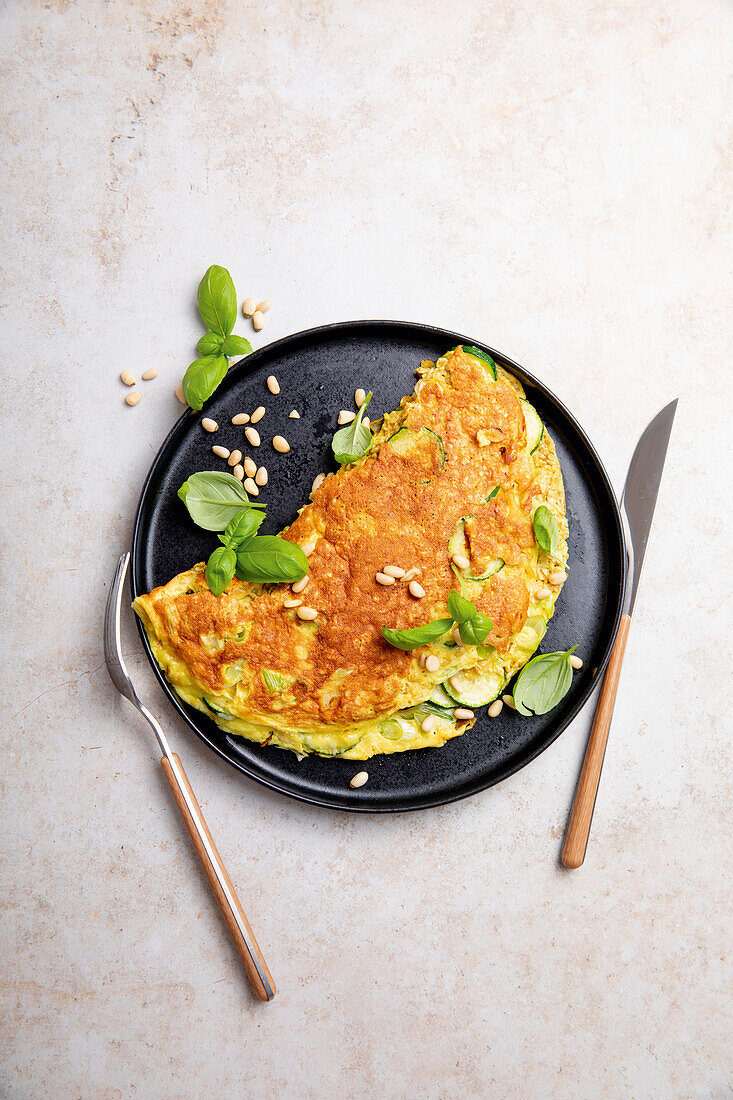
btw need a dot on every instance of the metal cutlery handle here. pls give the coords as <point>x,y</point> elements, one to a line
<point>581,815</point>
<point>237,923</point>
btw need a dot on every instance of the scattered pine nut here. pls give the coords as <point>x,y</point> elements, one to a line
<point>456,634</point>
<point>463,712</point>
<point>235,458</point>
<point>250,467</point>
<point>261,476</point>
<point>273,385</point>
<point>317,482</point>
<point>411,573</point>
<point>359,779</point>
<point>428,724</point>
<point>345,416</point>
<point>307,613</point>
<point>178,391</point>
<point>257,414</point>
<point>251,487</point>
<point>148,375</point>
<point>384,578</point>
<point>253,436</point>
<point>508,701</point>
<point>258,320</point>
<point>294,414</point>
<point>224,452</point>
<point>360,397</point>
<point>209,425</point>
<point>128,377</point>
<point>264,305</point>
<point>366,422</point>
<point>415,589</point>
<point>292,603</point>
<point>281,444</point>
<point>241,418</point>
<point>575,661</point>
<point>432,663</point>
<point>133,398</point>
<point>394,571</point>
<point>542,593</point>
<point>495,709</point>
<point>308,548</point>
<point>238,473</point>
<point>460,561</point>
<point>298,586</point>
<point>248,307</point>
<point>558,577</point>
<point>422,659</point>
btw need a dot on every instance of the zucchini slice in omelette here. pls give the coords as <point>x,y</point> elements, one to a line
<point>457,470</point>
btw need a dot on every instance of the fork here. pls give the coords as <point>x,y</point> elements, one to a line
<point>237,923</point>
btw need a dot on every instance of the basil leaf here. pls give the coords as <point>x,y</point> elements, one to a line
<point>241,527</point>
<point>268,559</point>
<point>214,498</point>
<point>475,630</point>
<point>235,345</point>
<point>217,300</point>
<point>543,682</point>
<point>209,344</point>
<point>417,635</point>
<point>460,608</point>
<point>220,569</point>
<point>355,440</point>
<point>202,378</point>
<point>481,355</point>
<point>546,530</point>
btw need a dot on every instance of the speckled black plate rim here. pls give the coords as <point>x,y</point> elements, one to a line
<point>421,802</point>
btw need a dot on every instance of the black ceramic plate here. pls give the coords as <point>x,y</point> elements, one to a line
<point>318,372</point>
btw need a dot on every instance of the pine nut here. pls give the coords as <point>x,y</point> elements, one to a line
<point>148,375</point>
<point>223,452</point>
<point>394,571</point>
<point>235,458</point>
<point>257,414</point>
<point>463,712</point>
<point>456,634</point>
<point>307,613</point>
<point>460,562</point>
<point>258,320</point>
<point>366,422</point>
<point>128,377</point>
<point>209,425</point>
<point>558,577</point>
<point>422,659</point>
<point>133,398</point>
<point>360,398</point>
<point>261,476</point>
<point>298,586</point>
<point>359,779</point>
<point>345,417</point>
<point>178,391</point>
<point>241,418</point>
<point>454,683</point>
<point>542,593</point>
<point>251,487</point>
<point>416,590</point>
<point>248,307</point>
<point>428,724</point>
<point>495,709</point>
<point>292,603</point>
<point>250,467</point>
<point>575,661</point>
<point>411,573</point>
<point>308,548</point>
<point>238,472</point>
<point>281,444</point>
<point>264,305</point>
<point>384,578</point>
<point>317,482</point>
<point>294,414</point>
<point>508,701</point>
<point>273,385</point>
<point>253,436</point>
<point>432,663</point>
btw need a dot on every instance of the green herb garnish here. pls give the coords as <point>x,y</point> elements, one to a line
<point>543,682</point>
<point>473,626</point>
<point>267,559</point>
<point>355,440</point>
<point>417,635</point>
<point>546,530</point>
<point>220,569</point>
<point>214,498</point>
<point>217,301</point>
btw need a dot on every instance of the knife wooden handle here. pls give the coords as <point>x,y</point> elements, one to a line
<point>237,923</point>
<point>581,814</point>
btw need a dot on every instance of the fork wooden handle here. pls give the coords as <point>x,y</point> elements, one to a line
<point>237,923</point>
<point>581,815</point>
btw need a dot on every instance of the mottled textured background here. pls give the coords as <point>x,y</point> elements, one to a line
<point>551,178</point>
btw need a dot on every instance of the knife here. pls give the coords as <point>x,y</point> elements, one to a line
<point>637,504</point>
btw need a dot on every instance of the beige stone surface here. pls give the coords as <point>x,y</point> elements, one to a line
<point>552,178</point>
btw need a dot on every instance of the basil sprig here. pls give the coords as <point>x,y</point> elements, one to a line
<point>543,682</point>
<point>214,498</point>
<point>417,635</point>
<point>217,301</point>
<point>473,625</point>
<point>355,440</point>
<point>242,527</point>
<point>220,569</point>
<point>268,559</point>
<point>546,530</point>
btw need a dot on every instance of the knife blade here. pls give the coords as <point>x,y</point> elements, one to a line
<point>637,503</point>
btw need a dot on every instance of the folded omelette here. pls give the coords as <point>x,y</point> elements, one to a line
<point>457,470</point>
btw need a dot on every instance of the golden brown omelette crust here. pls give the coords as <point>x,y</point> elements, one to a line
<point>382,512</point>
